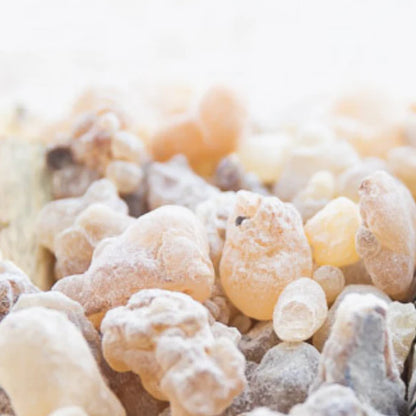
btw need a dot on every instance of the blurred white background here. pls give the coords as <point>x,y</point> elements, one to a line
<point>274,51</point>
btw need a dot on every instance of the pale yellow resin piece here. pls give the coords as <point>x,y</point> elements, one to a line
<point>331,233</point>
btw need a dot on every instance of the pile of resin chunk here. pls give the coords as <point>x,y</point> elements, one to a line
<point>209,263</point>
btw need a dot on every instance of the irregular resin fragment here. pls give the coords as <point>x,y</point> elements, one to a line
<point>40,344</point>
<point>265,155</point>
<point>174,182</point>
<point>300,310</point>
<point>335,400</point>
<point>386,240</point>
<point>166,248</point>
<point>360,336</point>
<point>73,247</point>
<point>256,342</point>
<point>284,376</point>
<point>332,281</point>
<point>322,334</point>
<point>165,337</point>
<point>319,190</point>
<point>92,148</point>
<point>401,322</point>
<point>331,233</point>
<point>126,176</point>
<point>128,147</point>
<point>401,162</point>
<point>265,249</point>
<point>205,136</point>
<point>58,215</point>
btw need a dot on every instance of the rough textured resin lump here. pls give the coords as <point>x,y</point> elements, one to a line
<point>58,215</point>
<point>387,238</point>
<point>300,310</point>
<point>265,249</point>
<point>322,334</point>
<point>166,248</point>
<point>283,377</point>
<point>165,337</point>
<point>174,182</point>
<point>359,355</point>
<point>74,246</point>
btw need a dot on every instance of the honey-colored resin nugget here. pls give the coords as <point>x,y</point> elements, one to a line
<point>331,233</point>
<point>166,248</point>
<point>40,348</point>
<point>265,249</point>
<point>165,337</point>
<point>386,240</point>
<point>205,136</point>
<point>300,310</point>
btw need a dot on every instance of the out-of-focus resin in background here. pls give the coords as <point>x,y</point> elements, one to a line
<point>274,52</point>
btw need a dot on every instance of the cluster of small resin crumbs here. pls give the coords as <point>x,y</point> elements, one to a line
<point>207,264</point>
